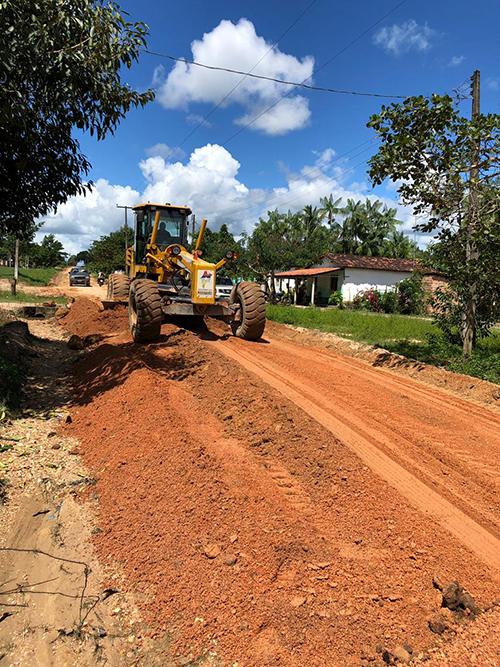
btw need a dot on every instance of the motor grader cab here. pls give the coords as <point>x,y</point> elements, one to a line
<point>163,278</point>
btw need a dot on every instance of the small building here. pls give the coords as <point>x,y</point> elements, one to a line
<point>349,274</point>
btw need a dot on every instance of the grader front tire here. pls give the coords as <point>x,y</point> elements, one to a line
<point>145,311</point>
<point>252,320</point>
<point>118,287</point>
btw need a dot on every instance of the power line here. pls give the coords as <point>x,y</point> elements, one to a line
<point>322,66</point>
<point>284,199</point>
<point>295,84</point>
<point>230,92</point>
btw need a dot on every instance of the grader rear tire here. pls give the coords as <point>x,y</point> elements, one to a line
<point>253,311</point>
<point>118,287</point>
<point>144,311</point>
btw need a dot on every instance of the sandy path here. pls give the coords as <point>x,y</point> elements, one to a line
<point>61,286</point>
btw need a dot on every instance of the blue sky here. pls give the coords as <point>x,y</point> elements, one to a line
<point>310,143</point>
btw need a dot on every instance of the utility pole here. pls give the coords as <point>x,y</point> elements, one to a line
<point>471,253</point>
<point>126,208</point>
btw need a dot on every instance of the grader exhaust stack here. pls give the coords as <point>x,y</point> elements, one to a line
<point>164,279</point>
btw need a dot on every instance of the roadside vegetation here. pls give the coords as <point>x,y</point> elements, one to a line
<point>12,375</point>
<point>28,297</point>
<point>414,337</point>
<point>38,277</point>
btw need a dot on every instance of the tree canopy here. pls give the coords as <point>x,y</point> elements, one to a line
<point>60,66</point>
<point>107,254</point>
<point>286,240</point>
<point>48,253</point>
<point>447,167</point>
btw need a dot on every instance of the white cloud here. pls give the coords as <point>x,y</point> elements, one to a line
<point>455,61</point>
<point>237,45</point>
<point>84,218</point>
<point>492,84</point>
<point>407,36</point>
<point>196,119</point>
<point>288,114</point>
<point>158,76</point>
<point>164,151</point>
<point>208,182</point>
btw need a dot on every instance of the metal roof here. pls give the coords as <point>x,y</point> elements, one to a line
<point>302,273</point>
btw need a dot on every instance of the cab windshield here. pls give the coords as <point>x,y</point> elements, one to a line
<point>170,227</point>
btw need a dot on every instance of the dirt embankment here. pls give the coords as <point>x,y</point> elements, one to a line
<point>55,608</point>
<point>248,530</point>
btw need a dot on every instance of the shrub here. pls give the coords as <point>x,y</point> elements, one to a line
<point>368,300</point>
<point>336,299</point>
<point>411,295</point>
<point>389,301</point>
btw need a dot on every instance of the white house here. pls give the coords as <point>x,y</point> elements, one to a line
<point>348,274</point>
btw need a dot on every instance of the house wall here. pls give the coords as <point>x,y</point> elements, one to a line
<point>323,285</point>
<point>358,280</point>
<point>349,282</point>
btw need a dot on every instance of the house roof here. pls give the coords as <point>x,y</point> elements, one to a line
<point>303,273</point>
<point>381,263</point>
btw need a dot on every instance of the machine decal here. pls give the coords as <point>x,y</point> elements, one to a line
<point>206,283</point>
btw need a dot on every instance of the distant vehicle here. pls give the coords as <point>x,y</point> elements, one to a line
<point>79,276</point>
<point>223,287</point>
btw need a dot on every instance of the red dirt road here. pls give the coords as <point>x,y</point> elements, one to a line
<point>439,452</point>
<point>275,504</point>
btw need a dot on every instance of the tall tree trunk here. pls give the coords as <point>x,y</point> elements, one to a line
<point>471,252</point>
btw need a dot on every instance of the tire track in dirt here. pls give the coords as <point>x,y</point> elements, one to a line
<point>437,455</point>
<point>386,378</point>
<point>468,531</point>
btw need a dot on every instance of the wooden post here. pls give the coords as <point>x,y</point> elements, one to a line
<point>471,253</point>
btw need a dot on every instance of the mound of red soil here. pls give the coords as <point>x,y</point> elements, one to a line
<point>86,317</point>
<point>197,527</point>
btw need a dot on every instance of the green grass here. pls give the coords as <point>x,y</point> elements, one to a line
<point>25,297</point>
<point>40,277</point>
<point>413,337</point>
<point>355,324</point>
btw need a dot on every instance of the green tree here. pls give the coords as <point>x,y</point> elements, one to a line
<point>49,253</point>
<point>215,245</point>
<point>268,247</point>
<point>330,208</point>
<point>447,167</point>
<point>309,237</point>
<point>365,227</point>
<point>60,67</point>
<point>107,254</point>
<point>399,245</point>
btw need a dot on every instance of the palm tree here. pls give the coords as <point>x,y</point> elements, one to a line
<point>352,227</point>
<point>401,246</point>
<point>330,208</point>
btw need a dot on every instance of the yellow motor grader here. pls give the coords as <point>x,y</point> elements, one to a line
<point>165,279</point>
